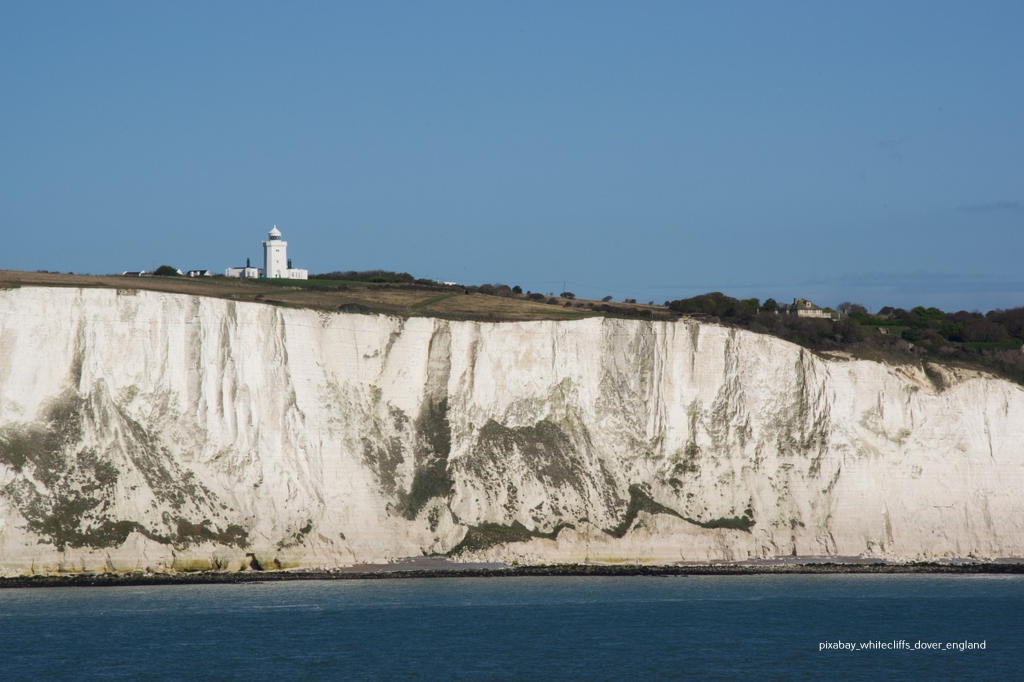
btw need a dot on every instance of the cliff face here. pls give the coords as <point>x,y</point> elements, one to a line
<point>145,430</point>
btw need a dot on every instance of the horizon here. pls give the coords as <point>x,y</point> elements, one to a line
<point>868,154</point>
<point>183,272</point>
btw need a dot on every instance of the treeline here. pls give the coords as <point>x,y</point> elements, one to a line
<point>375,276</point>
<point>931,326</point>
<point>719,305</point>
<point>992,341</point>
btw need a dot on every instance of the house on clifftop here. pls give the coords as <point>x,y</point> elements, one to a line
<point>246,271</point>
<point>803,307</point>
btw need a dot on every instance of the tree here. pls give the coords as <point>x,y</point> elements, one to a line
<point>849,331</point>
<point>376,276</point>
<point>517,289</point>
<point>567,294</point>
<point>606,299</point>
<point>984,330</point>
<point>166,271</point>
<point>770,305</point>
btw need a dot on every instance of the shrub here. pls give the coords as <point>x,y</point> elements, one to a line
<point>376,276</point>
<point>984,330</point>
<point>718,304</point>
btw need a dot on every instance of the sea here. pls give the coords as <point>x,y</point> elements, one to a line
<point>861,627</point>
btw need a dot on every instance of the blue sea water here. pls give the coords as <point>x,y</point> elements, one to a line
<point>709,627</point>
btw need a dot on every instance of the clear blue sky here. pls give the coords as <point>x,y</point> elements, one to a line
<point>871,152</point>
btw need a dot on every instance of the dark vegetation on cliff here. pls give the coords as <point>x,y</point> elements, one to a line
<point>991,341</point>
<point>641,501</point>
<point>64,491</point>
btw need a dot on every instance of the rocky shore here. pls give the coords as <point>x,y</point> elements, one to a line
<point>557,570</point>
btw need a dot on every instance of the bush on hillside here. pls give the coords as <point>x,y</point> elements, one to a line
<point>376,276</point>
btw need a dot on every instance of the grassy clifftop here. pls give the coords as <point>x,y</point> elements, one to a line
<point>404,299</point>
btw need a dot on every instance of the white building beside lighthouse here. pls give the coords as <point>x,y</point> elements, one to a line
<point>275,259</point>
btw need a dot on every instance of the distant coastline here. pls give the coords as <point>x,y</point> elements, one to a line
<point>1008,567</point>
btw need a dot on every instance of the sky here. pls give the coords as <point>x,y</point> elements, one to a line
<point>870,152</point>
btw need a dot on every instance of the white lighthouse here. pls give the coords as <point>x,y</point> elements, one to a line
<point>275,255</point>
<point>275,258</point>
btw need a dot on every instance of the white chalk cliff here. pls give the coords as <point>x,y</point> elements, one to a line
<point>141,430</point>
